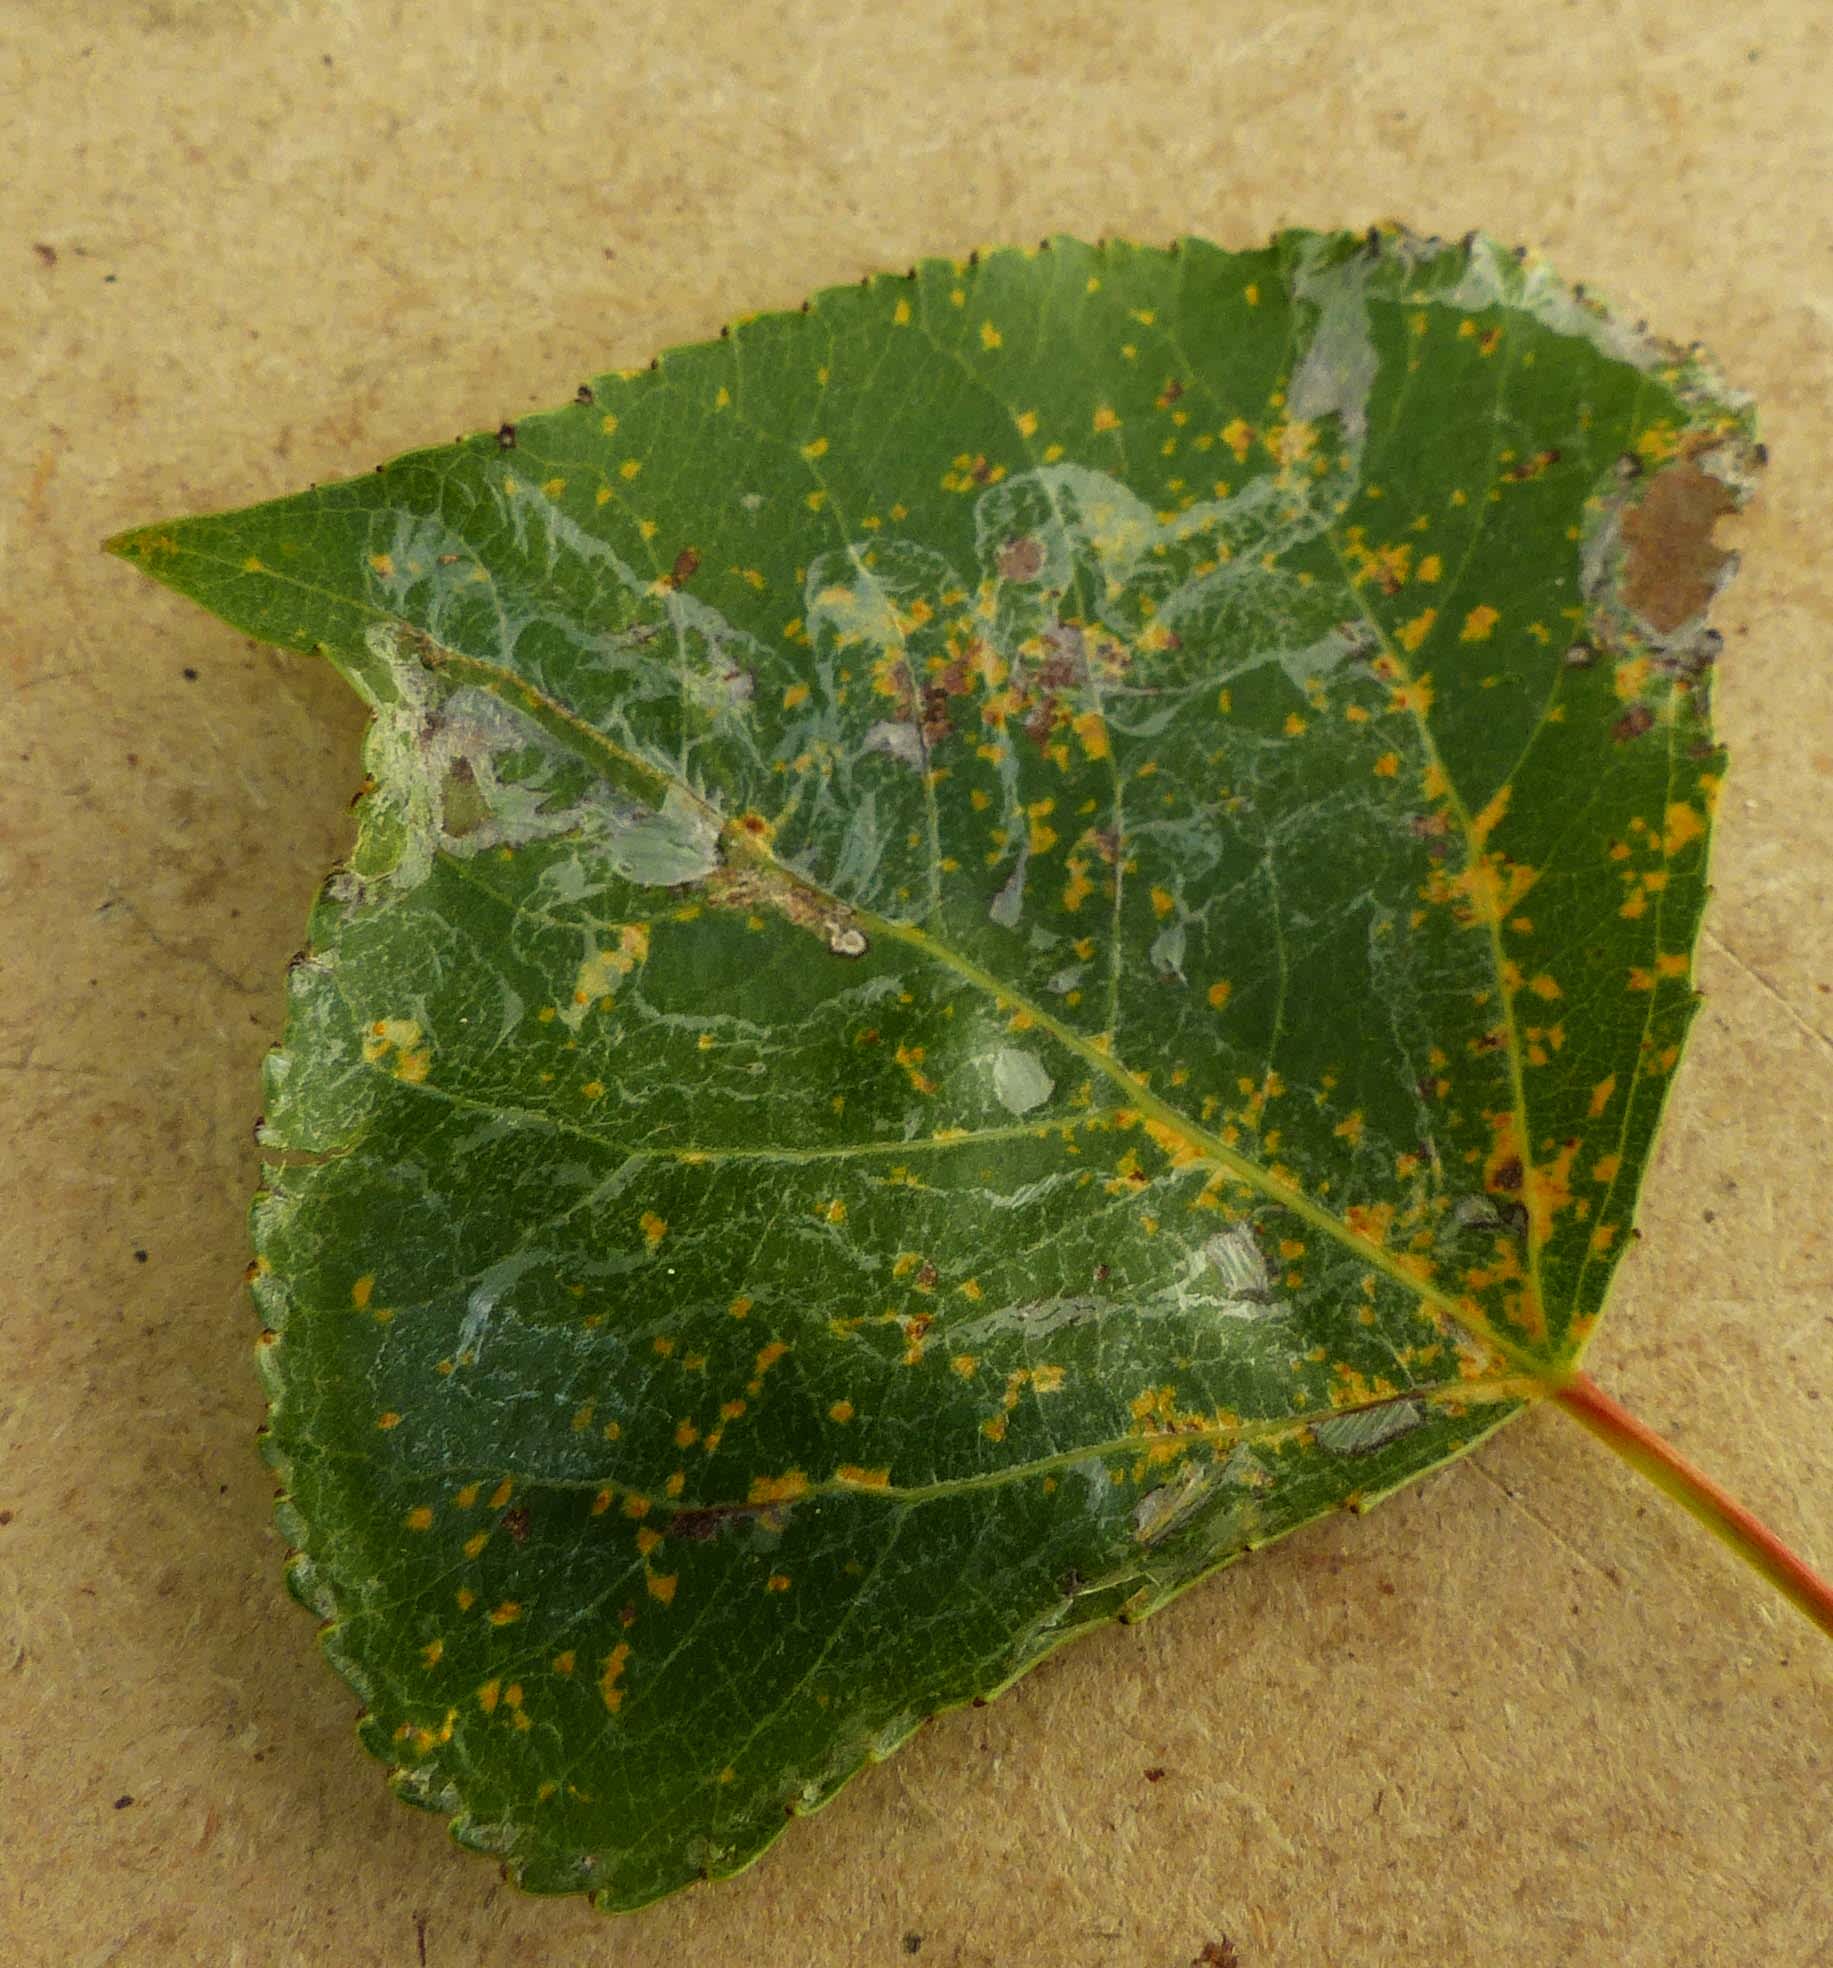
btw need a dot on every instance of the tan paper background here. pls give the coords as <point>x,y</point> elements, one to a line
<point>1524,1714</point>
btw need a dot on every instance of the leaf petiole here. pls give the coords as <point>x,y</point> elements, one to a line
<point>1697,1493</point>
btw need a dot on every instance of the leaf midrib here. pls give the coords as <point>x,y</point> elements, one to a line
<point>1492,1390</point>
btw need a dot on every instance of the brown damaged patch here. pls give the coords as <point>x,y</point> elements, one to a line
<point>756,889</point>
<point>1671,563</point>
<point>1021,560</point>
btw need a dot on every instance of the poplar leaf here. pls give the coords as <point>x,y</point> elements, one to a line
<point>1007,936</point>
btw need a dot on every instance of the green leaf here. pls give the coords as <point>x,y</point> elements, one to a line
<point>1008,936</point>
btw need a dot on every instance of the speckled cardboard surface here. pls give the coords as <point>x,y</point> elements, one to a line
<point>1524,1713</point>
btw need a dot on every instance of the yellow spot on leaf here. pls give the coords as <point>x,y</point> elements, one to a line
<point>1370,1220</point>
<point>1091,728</point>
<point>1411,634</point>
<point>614,1673</point>
<point>400,1036</point>
<point>1174,1142</point>
<point>603,968</point>
<point>1478,624</point>
<point>1683,825</point>
<point>1486,822</point>
<point>778,1489</point>
<point>911,1058</point>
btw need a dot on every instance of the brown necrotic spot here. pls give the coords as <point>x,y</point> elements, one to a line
<point>1533,467</point>
<point>700,1524</point>
<point>1021,559</point>
<point>1633,723</point>
<point>1672,565</point>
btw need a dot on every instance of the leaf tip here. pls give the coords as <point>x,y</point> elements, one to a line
<point>141,543</point>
